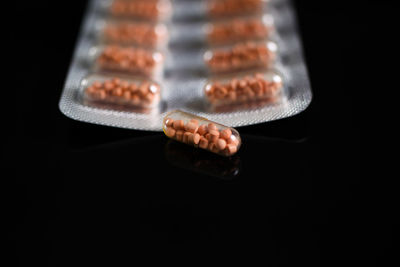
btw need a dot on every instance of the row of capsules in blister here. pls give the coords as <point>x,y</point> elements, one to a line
<point>239,53</point>
<point>128,60</point>
<point>242,58</point>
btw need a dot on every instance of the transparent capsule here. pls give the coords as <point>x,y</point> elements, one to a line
<point>153,10</point>
<point>120,92</point>
<point>128,60</point>
<point>235,30</point>
<point>240,57</point>
<point>202,133</point>
<point>243,90</point>
<point>135,33</point>
<point>225,8</point>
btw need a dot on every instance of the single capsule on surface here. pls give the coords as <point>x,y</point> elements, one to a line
<point>241,57</point>
<point>201,132</point>
<point>242,90</point>
<point>152,10</point>
<point>120,92</point>
<point>236,30</point>
<point>141,34</point>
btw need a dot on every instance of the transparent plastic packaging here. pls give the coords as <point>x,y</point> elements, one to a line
<point>128,60</point>
<point>225,8</point>
<point>243,90</point>
<point>201,132</point>
<point>235,30</point>
<point>120,92</point>
<point>153,10</point>
<point>241,57</point>
<point>135,33</point>
<point>195,53</point>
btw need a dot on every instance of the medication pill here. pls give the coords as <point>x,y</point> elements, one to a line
<point>241,57</point>
<point>243,89</point>
<point>152,10</point>
<point>100,88</point>
<point>214,137</point>
<point>220,8</point>
<point>129,60</point>
<point>239,30</point>
<point>141,34</point>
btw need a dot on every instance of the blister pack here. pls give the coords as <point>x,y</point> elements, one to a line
<point>236,62</point>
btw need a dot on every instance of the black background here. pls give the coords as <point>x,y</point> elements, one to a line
<point>77,192</point>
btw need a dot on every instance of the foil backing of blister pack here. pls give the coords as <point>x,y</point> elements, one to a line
<point>185,76</point>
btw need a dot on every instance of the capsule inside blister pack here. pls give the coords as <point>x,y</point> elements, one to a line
<point>242,56</point>
<point>136,33</point>
<point>224,8</point>
<point>128,60</point>
<point>200,132</point>
<point>235,30</point>
<point>120,92</point>
<point>153,10</point>
<point>243,90</point>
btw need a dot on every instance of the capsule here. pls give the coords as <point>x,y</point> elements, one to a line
<point>228,8</point>
<point>121,92</point>
<point>129,60</point>
<point>241,57</point>
<point>140,34</point>
<point>236,30</point>
<point>151,10</point>
<point>201,133</point>
<point>243,90</point>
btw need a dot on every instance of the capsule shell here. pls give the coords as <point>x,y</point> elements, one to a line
<point>240,57</point>
<point>150,10</point>
<point>213,137</point>
<point>242,90</point>
<point>135,33</point>
<point>128,61</point>
<point>121,92</point>
<point>236,30</point>
<point>227,8</point>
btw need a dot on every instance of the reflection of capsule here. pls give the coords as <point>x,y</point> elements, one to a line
<point>200,161</point>
<point>240,57</point>
<point>200,132</point>
<point>141,34</point>
<point>120,91</point>
<point>243,90</point>
<point>128,60</point>
<point>238,30</point>
<point>153,10</point>
<point>223,8</point>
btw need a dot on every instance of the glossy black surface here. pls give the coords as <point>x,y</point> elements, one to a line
<point>294,194</point>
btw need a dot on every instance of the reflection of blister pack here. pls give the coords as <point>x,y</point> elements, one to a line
<point>236,62</point>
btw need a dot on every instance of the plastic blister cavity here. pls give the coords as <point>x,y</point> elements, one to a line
<point>120,92</point>
<point>128,60</point>
<point>226,8</point>
<point>240,57</point>
<point>153,10</point>
<point>243,90</point>
<point>235,30</point>
<point>134,33</point>
<point>201,132</point>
